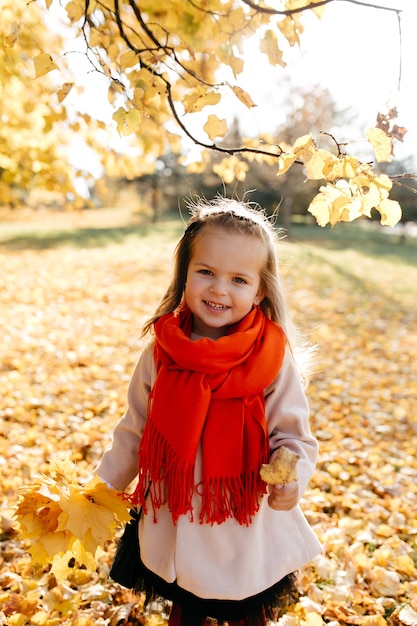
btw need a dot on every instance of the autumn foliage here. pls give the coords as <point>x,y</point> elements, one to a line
<point>74,293</point>
<point>166,65</point>
<point>66,521</point>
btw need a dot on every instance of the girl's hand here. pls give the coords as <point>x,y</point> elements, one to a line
<point>283,497</point>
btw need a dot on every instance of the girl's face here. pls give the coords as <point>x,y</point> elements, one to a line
<point>223,279</point>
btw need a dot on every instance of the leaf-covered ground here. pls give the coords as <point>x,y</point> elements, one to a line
<point>74,291</point>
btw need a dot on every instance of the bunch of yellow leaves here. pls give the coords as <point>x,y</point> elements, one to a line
<point>352,189</point>
<point>65,521</point>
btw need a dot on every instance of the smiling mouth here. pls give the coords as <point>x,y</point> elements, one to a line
<point>216,307</point>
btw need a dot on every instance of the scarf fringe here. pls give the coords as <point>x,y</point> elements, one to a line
<point>167,479</point>
<point>163,476</point>
<point>226,497</point>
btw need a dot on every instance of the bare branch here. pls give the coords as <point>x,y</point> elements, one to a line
<point>314,5</point>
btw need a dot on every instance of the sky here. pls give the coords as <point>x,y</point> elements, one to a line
<point>357,53</point>
<point>354,51</point>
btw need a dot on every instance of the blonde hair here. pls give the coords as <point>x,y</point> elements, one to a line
<point>239,217</point>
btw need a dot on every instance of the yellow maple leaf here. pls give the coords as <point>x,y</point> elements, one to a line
<point>47,546</point>
<point>381,143</point>
<point>128,122</point>
<point>61,471</point>
<point>103,496</point>
<point>44,64</point>
<point>214,127</point>
<point>62,518</point>
<point>60,564</point>
<point>77,550</point>
<point>31,500</point>
<point>237,19</point>
<point>198,98</point>
<point>152,97</point>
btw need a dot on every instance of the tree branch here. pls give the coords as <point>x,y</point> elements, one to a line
<point>314,5</point>
<point>212,146</point>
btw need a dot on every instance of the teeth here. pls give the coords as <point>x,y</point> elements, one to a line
<point>213,305</point>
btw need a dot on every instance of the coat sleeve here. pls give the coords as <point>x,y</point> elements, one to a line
<point>287,413</point>
<point>119,464</point>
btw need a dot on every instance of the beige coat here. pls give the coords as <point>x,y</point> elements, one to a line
<point>225,561</point>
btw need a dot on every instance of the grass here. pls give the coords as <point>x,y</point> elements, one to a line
<point>91,229</point>
<point>359,253</point>
<point>363,237</point>
<point>99,227</point>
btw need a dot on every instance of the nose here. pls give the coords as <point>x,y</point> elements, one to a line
<point>218,287</point>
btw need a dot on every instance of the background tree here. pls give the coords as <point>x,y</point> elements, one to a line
<point>36,130</point>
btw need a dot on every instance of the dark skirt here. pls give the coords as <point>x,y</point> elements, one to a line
<point>272,602</point>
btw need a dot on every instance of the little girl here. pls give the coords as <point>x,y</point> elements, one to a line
<point>212,398</point>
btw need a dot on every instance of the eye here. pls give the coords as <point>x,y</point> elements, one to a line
<point>205,272</point>
<point>240,280</point>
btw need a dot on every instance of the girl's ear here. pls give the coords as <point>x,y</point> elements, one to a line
<point>258,298</point>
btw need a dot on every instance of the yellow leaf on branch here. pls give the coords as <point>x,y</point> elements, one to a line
<point>76,9</point>
<point>303,144</point>
<point>128,122</point>
<point>197,99</point>
<point>291,27</point>
<point>64,91</point>
<point>390,211</point>
<point>214,127</point>
<point>44,64</point>
<point>128,59</point>
<point>341,167</point>
<point>334,204</point>
<point>236,64</point>
<point>243,96</point>
<point>285,161</point>
<point>269,46</point>
<point>381,143</point>
<point>370,189</point>
<point>316,161</point>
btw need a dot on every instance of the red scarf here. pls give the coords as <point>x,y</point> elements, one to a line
<point>209,392</point>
